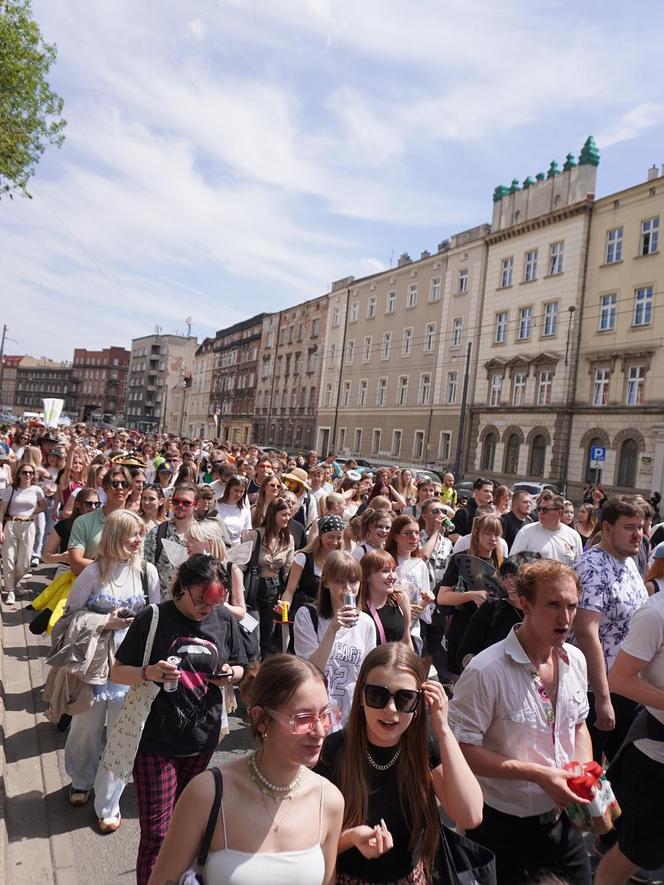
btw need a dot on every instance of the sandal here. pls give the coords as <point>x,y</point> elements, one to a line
<point>77,798</point>
<point>109,824</point>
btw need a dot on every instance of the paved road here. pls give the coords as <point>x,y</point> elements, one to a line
<point>46,840</point>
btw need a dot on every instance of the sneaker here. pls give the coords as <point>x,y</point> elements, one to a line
<point>77,798</point>
<point>34,562</point>
<point>109,824</point>
<point>11,598</point>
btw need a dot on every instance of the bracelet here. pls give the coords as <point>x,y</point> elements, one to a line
<point>144,673</point>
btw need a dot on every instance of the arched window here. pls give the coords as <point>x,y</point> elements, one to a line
<point>627,462</point>
<point>537,456</point>
<point>489,451</point>
<point>593,476</point>
<point>512,454</point>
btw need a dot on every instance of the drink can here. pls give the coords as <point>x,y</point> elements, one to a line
<point>349,599</point>
<point>172,686</point>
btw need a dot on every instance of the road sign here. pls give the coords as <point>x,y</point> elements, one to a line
<point>598,453</point>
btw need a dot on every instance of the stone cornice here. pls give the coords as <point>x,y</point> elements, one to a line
<point>541,221</point>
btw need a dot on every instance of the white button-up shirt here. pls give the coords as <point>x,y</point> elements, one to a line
<point>499,703</point>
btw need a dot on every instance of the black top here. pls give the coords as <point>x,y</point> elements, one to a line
<point>489,624</point>
<point>298,534</point>
<point>63,530</point>
<point>463,518</point>
<point>384,801</point>
<point>188,720</point>
<point>393,621</point>
<point>511,525</point>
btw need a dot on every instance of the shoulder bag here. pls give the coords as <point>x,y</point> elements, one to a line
<point>125,734</point>
<point>460,861</point>
<point>194,875</point>
<point>252,576</point>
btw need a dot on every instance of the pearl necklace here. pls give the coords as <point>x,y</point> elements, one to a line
<point>387,765</point>
<point>267,787</point>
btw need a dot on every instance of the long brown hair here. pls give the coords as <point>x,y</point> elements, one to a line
<point>486,522</point>
<point>373,562</point>
<point>270,527</point>
<point>412,768</point>
<point>398,526</point>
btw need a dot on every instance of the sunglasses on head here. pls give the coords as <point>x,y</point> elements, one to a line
<point>406,700</point>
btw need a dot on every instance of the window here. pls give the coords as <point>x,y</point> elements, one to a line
<point>341,439</point>
<point>402,391</point>
<point>391,302</point>
<point>354,311</point>
<point>418,445</point>
<point>386,348</point>
<point>506,272</point>
<point>495,389</point>
<point>335,315</point>
<point>350,352</point>
<point>381,392</point>
<point>434,292</point>
<point>550,318</point>
<point>636,377</point>
<point>457,329</point>
<point>614,239</point>
<point>601,387</point>
<point>489,451</point>
<point>452,383</point>
<point>525,323</point>
<point>643,306</point>
<point>607,312</point>
<point>362,392</point>
<point>519,388</point>
<point>327,400</point>
<point>429,337</point>
<point>371,307</point>
<point>407,342</point>
<point>345,395</point>
<point>411,299</point>
<point>649,236</point>
<point>424,392</point>
<point>311,361</point>
<point>501,327</point>
<point>315,327</point>
<point>544,387</point>
<point>530,266</point>
<point>512,454</point>
<point>300,332</point>
<point>375,442</point>
<point>357,441</point>
<point>269,341</point>
<point>333,356</point>
<point>366,348</point>
<point>537,456</point>
<point>445,445</point>
<point>396,443</point>
<point>556,258</point>
<point>627,463</point>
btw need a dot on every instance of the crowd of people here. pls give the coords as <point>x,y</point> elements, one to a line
<point>402,654</point>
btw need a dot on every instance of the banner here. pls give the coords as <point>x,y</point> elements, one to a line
<point>52,411</point>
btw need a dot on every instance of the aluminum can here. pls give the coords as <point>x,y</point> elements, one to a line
<point>172,686</point>
<point>349,599</point>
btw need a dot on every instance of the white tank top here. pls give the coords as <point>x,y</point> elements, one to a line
<point>230,867</point>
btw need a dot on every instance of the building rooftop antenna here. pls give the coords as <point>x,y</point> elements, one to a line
<point>188,322</point>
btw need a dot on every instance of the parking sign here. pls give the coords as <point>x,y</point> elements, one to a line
<point>597,457</point>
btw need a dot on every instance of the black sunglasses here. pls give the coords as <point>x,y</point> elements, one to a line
<point>119,484</point>
<point>406,700</point>
<point>91,505</point>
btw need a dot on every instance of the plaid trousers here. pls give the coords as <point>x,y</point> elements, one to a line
<point>159,780</point>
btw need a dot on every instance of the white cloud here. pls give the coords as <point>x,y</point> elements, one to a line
<point>197,29</point>
<point>632,124</point>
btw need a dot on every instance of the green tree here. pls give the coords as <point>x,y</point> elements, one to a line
<point>30,112</point>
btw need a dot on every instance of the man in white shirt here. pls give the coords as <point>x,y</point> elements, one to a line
<point>518,712</point>
<point>612,590</point>
<point>638,674</point>
<point>549,537</point>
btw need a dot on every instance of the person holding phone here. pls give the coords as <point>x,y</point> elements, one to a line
<point>112,585</point>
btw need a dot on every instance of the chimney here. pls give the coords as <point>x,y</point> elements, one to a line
<point>653,172</point>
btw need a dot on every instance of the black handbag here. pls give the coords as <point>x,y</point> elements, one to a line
<point>252,576</point>
<point>460,861</point>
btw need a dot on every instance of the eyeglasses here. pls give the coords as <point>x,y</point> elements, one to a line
<point>119,484</point>
<point>304,723</point>
<point>27,473</point>
<point>436,511</point>
<point>274,485</point>
<point>200,605</point>
<point>548,509</point>
<point>406,700</point>
<point>180,502</point>
<point>291,485</point>
<point>91,505</point>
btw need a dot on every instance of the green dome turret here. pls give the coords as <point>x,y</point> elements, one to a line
<point>589,155</point>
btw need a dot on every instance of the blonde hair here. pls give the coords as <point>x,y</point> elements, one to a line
<point>32,455</point>
<point>209,530</point>
<point>333,499</point>
<point>118,527</point>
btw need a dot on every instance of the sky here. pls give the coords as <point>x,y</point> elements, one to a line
<point>227,157</point>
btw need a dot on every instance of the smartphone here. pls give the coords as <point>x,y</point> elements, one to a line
<point>124,613</point>
<point>222,675</point>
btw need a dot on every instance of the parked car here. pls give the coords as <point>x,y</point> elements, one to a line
<point>535,488</point>
<point>464,489</point>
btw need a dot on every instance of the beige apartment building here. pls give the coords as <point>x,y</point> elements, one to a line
<point>395,356</point>
<point>619,402</point>
<point>289,375</point>
<point>522,408</point>
<point>200,414</point>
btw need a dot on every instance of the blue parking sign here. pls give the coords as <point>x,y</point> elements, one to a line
<point>598,453</point>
